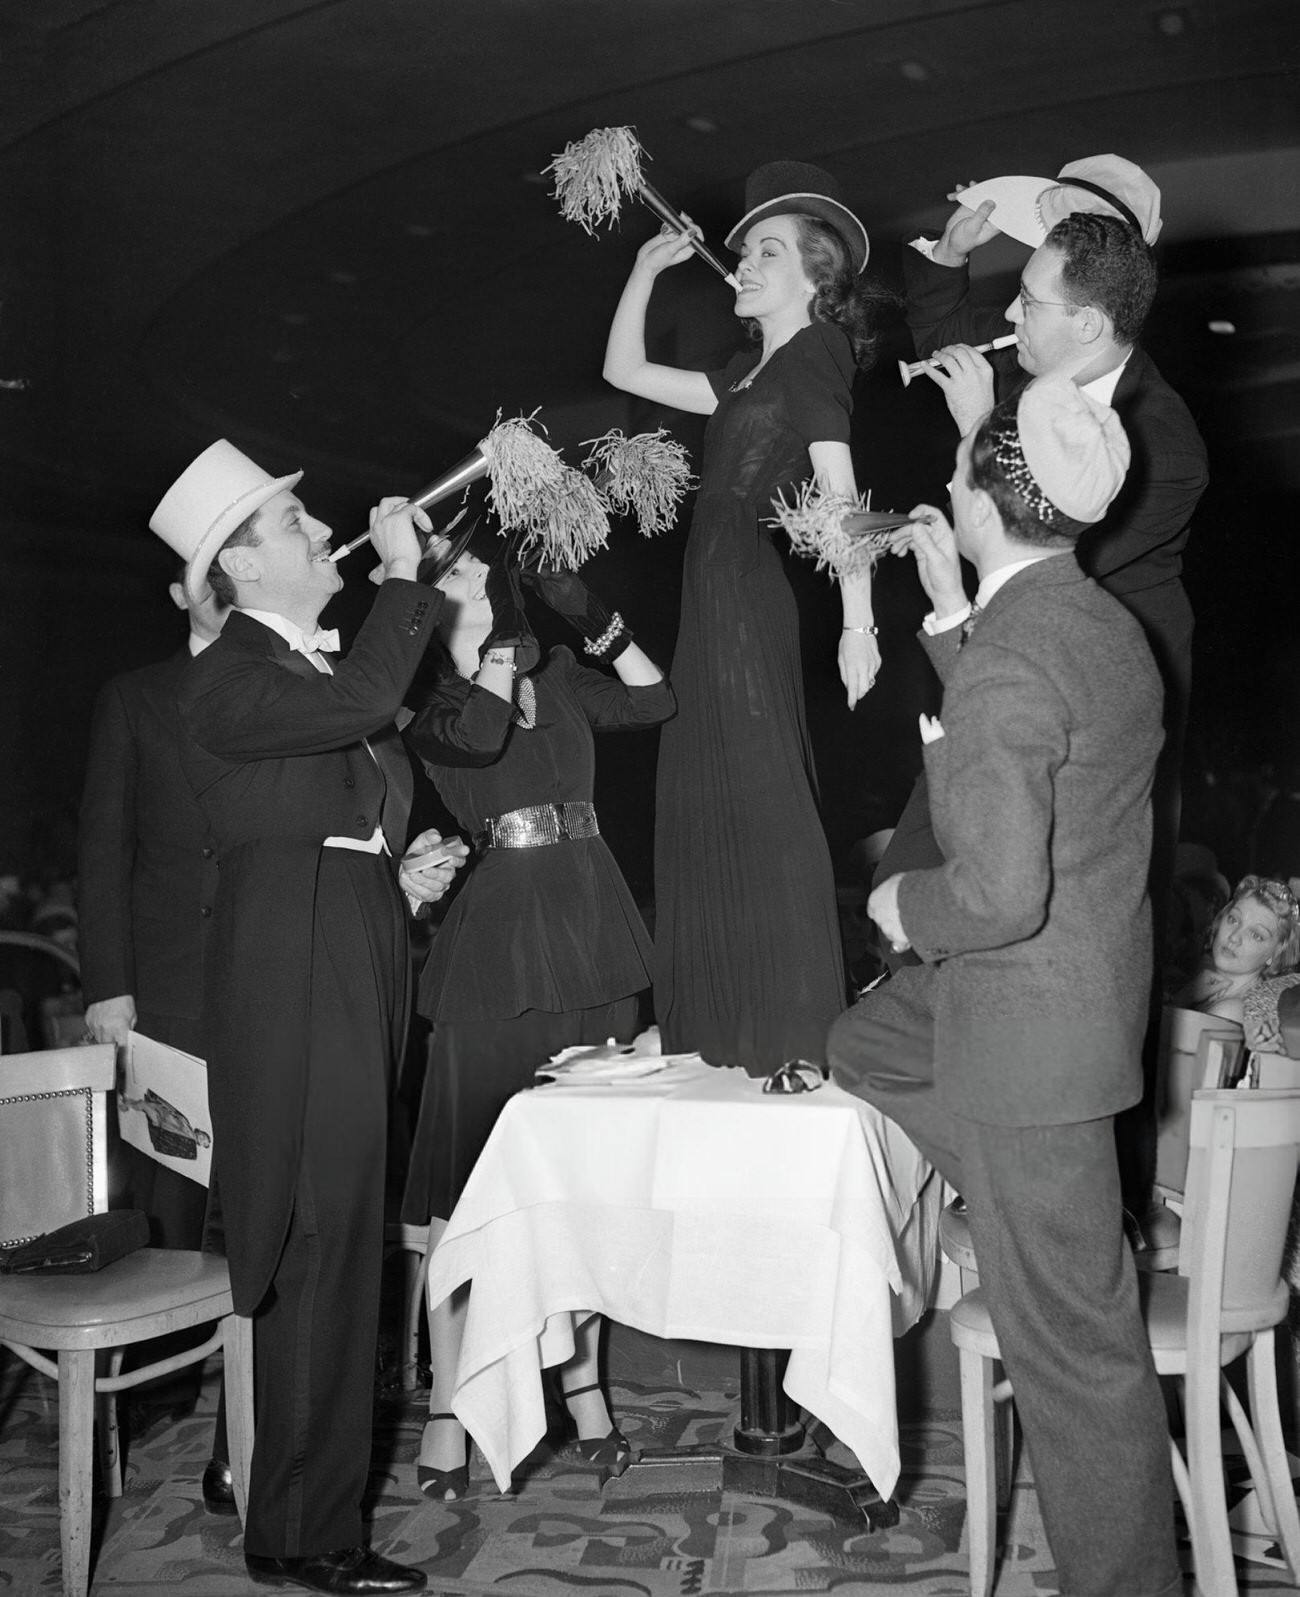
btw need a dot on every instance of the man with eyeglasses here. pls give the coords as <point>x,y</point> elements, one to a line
<point>1084,295</point>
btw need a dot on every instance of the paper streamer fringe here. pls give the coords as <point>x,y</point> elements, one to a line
<point>592,175</point>
<point>815,526</point>
<point>645,475</point>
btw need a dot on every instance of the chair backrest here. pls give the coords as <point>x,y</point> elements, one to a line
<point>1241,1176</point>
<point>53,1161</point>
<point>1196,1051</point>
<point>1288,1020</point>
<point>1275,1070</point>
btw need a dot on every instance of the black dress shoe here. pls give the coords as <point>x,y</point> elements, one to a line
<point>218,1488</point>
<point>358,1570</point>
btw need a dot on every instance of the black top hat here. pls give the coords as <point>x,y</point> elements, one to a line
<point>786,188</point>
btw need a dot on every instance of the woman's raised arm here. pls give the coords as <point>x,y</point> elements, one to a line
<point>626,366</point>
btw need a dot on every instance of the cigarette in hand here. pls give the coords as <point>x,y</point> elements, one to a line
<point>909,369</point>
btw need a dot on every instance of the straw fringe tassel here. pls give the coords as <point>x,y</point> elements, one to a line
<point>815,526</point>
<point>532,491</point>
<point>646,474</point>
<point>593,173</point>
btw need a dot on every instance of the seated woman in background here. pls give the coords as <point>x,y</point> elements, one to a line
<point>1254,937</point>
<point>543,948</point>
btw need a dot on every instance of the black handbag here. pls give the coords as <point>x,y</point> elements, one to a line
<point>81,1247</point>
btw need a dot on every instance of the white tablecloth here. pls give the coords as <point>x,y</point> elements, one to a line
<point>690,1204</point>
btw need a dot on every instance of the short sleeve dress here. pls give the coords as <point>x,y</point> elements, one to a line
<point>543,948</point>
<point>748,963</point>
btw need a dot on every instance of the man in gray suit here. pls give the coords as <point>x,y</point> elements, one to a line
<point>1008,1051</point>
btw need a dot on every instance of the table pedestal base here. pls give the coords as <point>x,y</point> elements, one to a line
<point>771,1456</point>
<point>806,1479</point>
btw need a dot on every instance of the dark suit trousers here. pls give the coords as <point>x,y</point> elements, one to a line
<point>1062,1292</point>
<point>315,1332</point>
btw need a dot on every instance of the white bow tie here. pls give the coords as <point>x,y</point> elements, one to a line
<point>324,642</point>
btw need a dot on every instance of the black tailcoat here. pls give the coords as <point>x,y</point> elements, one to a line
<point>275,753</point>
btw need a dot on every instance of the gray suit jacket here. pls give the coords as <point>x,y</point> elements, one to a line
<point>1040,791</point>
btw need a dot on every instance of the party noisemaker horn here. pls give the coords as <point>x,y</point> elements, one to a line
<point>645,475</point>
<point>842,534</point>
<point>464,472</point>
<point>554,507</point>
<point>907,369</point>
<point>594,173</point>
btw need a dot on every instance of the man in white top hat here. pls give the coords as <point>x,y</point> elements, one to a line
<point>305,1003</point>
<point>1006,1053</point>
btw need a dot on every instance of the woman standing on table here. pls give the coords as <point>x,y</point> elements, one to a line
<point>543,948</point>
<point>748,966</point>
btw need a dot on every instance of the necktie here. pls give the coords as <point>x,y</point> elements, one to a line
<point>968,625</point>
<point>325,642</point>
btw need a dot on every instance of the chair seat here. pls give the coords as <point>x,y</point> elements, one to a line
<point>970,1327</point>
<point>1164,1299</point>
<point>1165,1309</point>
<point>149,1293</point>
<point>415,1238</point>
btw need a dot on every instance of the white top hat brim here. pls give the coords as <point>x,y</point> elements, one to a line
<point>205,551</point>
<point>1015,208</point>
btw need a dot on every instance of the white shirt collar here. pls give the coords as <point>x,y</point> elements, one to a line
<point>290,631</point>
<point>996,579</point>
<point>1102,388</point>
<point>198,644</point>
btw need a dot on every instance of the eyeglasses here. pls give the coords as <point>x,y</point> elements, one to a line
<point>796,1075</point>
<point>1027,301</point>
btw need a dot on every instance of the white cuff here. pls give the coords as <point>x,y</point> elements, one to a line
<point>932,628</point>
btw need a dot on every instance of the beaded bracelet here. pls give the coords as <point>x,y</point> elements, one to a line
<point>598,646</point>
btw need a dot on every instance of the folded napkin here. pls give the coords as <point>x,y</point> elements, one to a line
<point>613,1061</point>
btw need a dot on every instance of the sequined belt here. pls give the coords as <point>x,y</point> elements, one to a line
<point>539,824</point>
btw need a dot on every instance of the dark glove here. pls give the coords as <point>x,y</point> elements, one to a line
<point>510,629</point>
<point>569,596</point>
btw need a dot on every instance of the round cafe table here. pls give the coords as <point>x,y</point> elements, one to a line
<point>687,1203</point>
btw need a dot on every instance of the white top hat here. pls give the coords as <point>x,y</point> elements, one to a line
<point>215,492</point>
<point>1028,208</point>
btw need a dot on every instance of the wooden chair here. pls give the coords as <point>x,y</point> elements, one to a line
<point>1224,1302</point>
<point>955,1240</point>
<point>416,1243</point>
<point>54,1170</point>
<point>413,1243</point>
<point>1196,1052</point>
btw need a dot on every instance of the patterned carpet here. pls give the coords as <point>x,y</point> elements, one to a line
<point>558,1533</point>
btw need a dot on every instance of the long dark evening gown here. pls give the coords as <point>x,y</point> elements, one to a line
<point>748,964</point>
